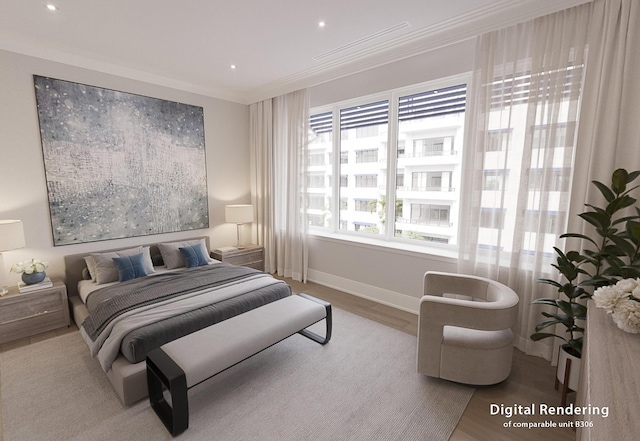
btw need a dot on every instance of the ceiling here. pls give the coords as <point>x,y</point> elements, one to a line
<point>277,46</point>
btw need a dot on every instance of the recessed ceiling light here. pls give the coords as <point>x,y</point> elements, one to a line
<point>321,24</point>
<point>233,67</point>
<point>52,7</point>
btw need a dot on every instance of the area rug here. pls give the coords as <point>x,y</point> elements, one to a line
<point>363,385</point>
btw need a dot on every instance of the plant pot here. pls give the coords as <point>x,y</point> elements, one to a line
<point>573,373</point>
<point>33,278</point>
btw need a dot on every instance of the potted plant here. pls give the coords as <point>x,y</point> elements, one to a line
<point>613,254</point>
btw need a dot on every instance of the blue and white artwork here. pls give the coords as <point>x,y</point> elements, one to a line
<point>118,164</point>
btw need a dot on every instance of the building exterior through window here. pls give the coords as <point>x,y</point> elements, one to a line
<point>400,170</point>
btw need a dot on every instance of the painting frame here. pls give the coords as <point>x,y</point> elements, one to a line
<point>118,164</point>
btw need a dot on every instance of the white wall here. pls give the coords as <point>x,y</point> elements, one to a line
<point>439,63</point>
<point>377,272</point>
<point>23,193</point>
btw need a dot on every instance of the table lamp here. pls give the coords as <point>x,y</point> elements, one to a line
<point>11,238</point>
<point>238,214</point>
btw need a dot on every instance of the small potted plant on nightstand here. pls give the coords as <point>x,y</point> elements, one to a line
<point>33,271</point>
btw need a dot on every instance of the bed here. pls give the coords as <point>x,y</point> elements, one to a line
<point>129,301</point>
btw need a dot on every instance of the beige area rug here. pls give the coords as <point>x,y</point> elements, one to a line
<point>363,385</point>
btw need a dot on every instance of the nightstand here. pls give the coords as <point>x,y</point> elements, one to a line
<point>251,256</point>
<point>26,314</point>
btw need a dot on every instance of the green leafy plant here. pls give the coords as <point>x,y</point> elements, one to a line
<point>569,310</point>
<point>613,254</point>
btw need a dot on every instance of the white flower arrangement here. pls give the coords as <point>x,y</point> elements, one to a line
<point>30,266</point>
<point>622,301</point>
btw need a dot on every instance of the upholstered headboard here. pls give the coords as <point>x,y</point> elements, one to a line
<point>75,264</point>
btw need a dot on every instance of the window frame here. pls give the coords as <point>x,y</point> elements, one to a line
<point>388,238</point>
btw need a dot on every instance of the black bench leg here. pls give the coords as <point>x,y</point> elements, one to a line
<point>163,373</point>
<point>328,321</point>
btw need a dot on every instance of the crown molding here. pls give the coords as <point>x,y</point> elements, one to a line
<point>495,16</point>
<point>87,61</point>
<point>499,14</point>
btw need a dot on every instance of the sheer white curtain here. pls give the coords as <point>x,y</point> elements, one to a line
<point>519,149</point>
<point>609,132</point>
<point>278,144</point>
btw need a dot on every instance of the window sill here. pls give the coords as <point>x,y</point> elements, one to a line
<point>415,250</point>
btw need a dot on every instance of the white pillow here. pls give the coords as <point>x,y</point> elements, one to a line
<point>172,257</point>
<point>105,270</point>
<point>91,266</point>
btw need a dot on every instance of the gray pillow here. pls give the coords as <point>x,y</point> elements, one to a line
<point>105,269</point>
<point>172,257</point>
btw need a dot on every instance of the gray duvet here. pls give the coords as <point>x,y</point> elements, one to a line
<point>139,315</point>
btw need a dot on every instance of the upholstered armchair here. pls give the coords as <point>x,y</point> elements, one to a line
<point>464,330</point>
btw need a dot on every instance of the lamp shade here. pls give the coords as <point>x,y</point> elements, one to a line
<point>238,214</point>
<point>11,235</point>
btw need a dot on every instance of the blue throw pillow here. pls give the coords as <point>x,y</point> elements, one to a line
<point>130,267</point>
<point>194,256</point>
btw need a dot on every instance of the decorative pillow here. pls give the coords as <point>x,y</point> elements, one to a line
<point>130,267</point>
<point>91,267</point>
<point>105,269</point>
<point>193,256</point>
<point>146,259</point>
<point>171,252</point>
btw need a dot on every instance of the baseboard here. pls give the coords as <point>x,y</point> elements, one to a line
<point>369,292</point>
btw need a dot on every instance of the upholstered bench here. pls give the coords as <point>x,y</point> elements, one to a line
<point>188,361</point>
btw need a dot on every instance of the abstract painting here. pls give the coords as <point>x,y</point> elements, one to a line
<point>118,164</point>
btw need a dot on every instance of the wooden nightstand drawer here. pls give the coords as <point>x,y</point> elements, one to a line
<point>26,314</point>
<point>251,256</point>
<point>26,305</point>
<point>28,326</point>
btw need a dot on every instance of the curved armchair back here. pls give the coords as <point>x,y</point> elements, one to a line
<point>462,301</point>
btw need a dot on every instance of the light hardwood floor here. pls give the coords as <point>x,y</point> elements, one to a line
<point>531,380</point>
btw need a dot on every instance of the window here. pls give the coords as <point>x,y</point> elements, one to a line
<point>526,145</point>
<point>365,227</point>
<point>545,222</point>
<point>367,132</point>
<point>429,146</point>
<point>492,218</point>
<point>316,220</point>
<point>370,181</point>
<point>552,180</point>
<point>370,155</point>
<point>316,159</point>
<point>315,181</point>
<point>498,140</point>
<point>366,205</point>
<point>495,180</point>
<point>401,147</point>
<point>315,201</point>
<point>431,123</point>
<point>399,179</point>
<point>319,171</point>
<point>430,181</point>
<point>556,136</point>
<point>426,214</point>
<point>363,133</point>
